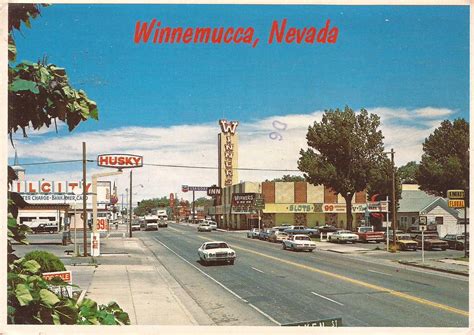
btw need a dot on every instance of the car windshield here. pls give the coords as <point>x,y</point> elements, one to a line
<point>302,238</point>
<point>216,245</point>
<point>344,231</point>
<point>204,224</point>
<point>365,229</point>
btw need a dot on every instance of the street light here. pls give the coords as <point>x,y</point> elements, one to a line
<point>394,209</point>
<point>130,204</point>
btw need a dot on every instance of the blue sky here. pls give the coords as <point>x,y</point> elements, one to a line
<point>396,60</point>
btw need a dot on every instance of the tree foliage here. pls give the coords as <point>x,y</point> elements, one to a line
<point>345,152</point>
<point>288,178</point>
<point>146,206</point>
<point>40,93</point>
<point>408,173</point>
<point>445,161</point>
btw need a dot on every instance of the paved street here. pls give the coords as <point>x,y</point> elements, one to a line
<point>267,285</point>
<point>288,287</point>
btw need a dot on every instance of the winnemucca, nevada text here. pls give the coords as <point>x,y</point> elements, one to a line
<point>280,32</point>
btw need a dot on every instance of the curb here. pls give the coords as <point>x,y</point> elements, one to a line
<point>434,269</point>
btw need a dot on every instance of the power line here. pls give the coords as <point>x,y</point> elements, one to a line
<point>216,168</point>
<point>57,162</point>
<point>170,166</point>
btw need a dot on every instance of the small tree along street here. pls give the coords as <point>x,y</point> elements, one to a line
<point>38,95</point>
<point>345,153</point>
<point>445,161</point>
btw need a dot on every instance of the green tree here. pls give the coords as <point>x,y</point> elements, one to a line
<point>146,206</point>
<point>408,172</point>
<point>39,94</point>
<point>345,151</point>
<point>445,161</point>
<point>288,178</point>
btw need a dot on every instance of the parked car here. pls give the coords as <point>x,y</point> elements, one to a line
<point>325,229</point>
<point>277,236</point>
<point>343,236</point>
<point>299,242</point>
<point>45,228</point>
<point>367,234</point>
<point>264,233</point>
<point>213,224</point>
<point>204,227</point>
<point>292,230</point>
<point>431,242</point>
<point>216,251</point>
<point>253,233</point>
<point>455,241</point>
<point>404,242</point>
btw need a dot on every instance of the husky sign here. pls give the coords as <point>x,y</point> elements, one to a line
<point>120,161</point>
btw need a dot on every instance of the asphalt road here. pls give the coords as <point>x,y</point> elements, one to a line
<point>286,287</point>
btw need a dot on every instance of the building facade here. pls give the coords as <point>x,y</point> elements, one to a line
<point>287,203</point>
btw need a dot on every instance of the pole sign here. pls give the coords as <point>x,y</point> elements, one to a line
<point>119,161</point>
<point>186,188</point>
<point>456,203</point>
<point>456,194</point>
<point>213,191</point>
<point>66,276</point>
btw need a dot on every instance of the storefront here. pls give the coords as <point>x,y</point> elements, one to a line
<point>289,203</point>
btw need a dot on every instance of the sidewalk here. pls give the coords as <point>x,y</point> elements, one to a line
<point>127,273</point>
<point>442,265</point>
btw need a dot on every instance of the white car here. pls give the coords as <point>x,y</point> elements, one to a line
<point>216,251</point>
<point>253,233</point>
<point>299,242</point>
<point>204,227</point>
<point>213,224</point>
<point>343,236</point>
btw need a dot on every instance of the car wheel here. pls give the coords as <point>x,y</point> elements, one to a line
<point>443,249</point>
<point>231,262</point>
<point>310,250</point>
<point>283,246</point>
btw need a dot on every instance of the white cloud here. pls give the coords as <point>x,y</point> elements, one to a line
<point>196,145</point>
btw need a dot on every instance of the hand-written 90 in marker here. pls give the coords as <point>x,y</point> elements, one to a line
<point>280,32</point>
<point>281,126</point>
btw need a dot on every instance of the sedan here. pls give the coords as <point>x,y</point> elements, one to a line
<point>343,236</point>
<point>455,241</point>
<point>204,227</point>
<point>216,251</point>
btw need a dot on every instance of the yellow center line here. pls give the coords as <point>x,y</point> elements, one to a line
<point>358,282</point>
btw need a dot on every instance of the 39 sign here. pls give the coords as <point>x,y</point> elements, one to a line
<point>102,224</point>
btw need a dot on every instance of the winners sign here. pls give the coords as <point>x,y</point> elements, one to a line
<point>243,203</point>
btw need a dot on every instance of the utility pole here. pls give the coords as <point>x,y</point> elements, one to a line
<point>84,202</point>
<point>130,207</point>
<point>394,203</point>
<point>193,206</point>
<point>465,221</point>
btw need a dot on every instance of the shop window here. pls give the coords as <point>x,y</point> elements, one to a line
<point>413,220</point>
<point>49,218</point>
<point>439,220</point>
<point>404,220</point>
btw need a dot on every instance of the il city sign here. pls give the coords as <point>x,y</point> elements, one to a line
<point>119,161</point>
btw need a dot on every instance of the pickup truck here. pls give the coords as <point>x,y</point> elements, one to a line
<point>367,234</point>
<point>299,242</point>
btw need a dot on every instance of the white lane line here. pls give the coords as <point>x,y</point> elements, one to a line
<point>219,283</point>
<point>322,296</point>
<point>179,231</point>
<point>265,314</point>
<point>257,269</point>
<point>382,273</point>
